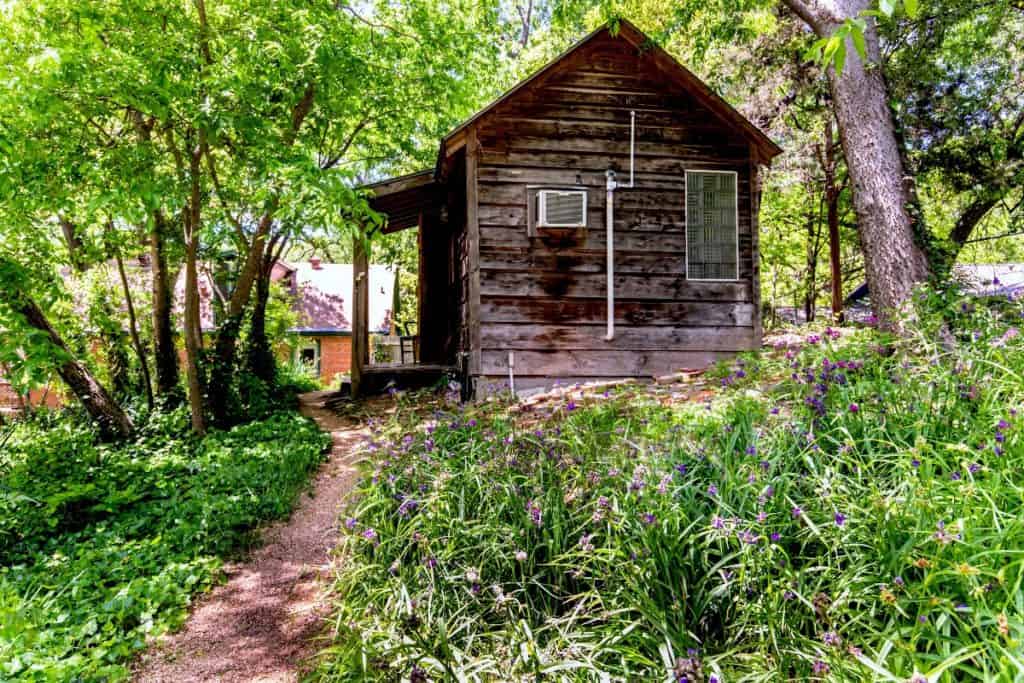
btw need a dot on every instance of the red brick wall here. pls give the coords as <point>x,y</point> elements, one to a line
<point>11,402</point>
<point>335,357</point>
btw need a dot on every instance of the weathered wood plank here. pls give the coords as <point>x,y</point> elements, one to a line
<point>651,219</point>
<point>580,261</point>
<point>529,337</point>
<point>597,363</point>
<point>571,311</point>
<point>689,150</point>
<point>514,234</point>
<point>542,126</point>
<point>508,194</point>
<point>587,285</point>
<point>599,161</point>
<point>546,175</point>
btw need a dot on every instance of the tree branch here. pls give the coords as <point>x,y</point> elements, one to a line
<point>333,161</point>
<point>218,190</point>
<point>813,14</point>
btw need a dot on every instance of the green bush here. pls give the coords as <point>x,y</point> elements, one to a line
<point>849,509</point>
<point>102,546</point>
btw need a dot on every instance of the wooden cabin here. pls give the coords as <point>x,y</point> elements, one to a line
<point>516,269</point>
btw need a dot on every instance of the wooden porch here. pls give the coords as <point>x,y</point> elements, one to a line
<point>413,201</point>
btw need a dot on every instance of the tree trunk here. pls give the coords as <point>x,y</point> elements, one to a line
<point>260,360</point>
<point>133,330</point>
<point>73,243</point>
<point>113,422</point>
<point>881,190</point>
<point>811,284</point>
<point>193,325</point>
<point>165,355</point>
<point>226,344</point>
<point>832,192</point>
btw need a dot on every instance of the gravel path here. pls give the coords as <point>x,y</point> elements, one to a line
<point>258,626</point>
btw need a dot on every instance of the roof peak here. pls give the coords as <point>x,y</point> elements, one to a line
<point>623,28</point>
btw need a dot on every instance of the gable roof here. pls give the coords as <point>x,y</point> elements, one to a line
<point>644,45</point>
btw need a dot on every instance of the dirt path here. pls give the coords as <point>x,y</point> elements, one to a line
<point>258,625</point>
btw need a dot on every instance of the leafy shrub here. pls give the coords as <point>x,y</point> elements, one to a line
<point>102,546</point>
<point>848,509</point>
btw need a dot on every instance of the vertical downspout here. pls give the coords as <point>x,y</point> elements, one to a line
<point>512,373</point>
<point>610,250</point>
<point>610,188</point>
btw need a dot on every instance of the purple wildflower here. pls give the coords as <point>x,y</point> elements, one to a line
<point>840,519</point>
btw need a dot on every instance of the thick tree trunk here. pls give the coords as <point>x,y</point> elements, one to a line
<point>165,355</point>
<point>881,190</point>
<point>113,422</point>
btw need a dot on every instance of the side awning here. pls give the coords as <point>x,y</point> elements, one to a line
<point>404,198</point>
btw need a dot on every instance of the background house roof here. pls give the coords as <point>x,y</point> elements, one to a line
<point>324,297</point>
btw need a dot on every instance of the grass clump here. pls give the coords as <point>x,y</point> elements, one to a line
<point>845,509</point>
<point>102,546</point>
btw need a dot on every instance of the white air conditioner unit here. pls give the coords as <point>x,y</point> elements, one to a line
<point>562,209</point>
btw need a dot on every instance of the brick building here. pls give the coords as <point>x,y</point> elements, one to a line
<point>323,302</point>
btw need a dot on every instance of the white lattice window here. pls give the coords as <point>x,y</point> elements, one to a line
<point>712,225</point>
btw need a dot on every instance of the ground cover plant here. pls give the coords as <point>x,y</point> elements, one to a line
<point>104,545</point>
<point>847,507</point>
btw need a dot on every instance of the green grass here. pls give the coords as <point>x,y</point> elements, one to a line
<point>846,510</point>
<point>103,546</point>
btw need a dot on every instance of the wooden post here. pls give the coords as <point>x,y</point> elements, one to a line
<point>421,292</point>
<point>360,311</point>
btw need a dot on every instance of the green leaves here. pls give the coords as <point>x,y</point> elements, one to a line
<point>831,50</point>
<point>95,559</point>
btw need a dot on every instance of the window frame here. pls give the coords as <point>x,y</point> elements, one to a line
<point>686,219</point>
<point>309,343</point>
<point>542,207</point>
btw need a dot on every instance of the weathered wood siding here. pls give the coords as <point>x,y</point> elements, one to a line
<point>544,297</point>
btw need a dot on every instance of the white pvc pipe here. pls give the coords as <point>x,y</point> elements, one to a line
<point>610,251</point>
<point>512,373</point>
<point>610,188</point>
